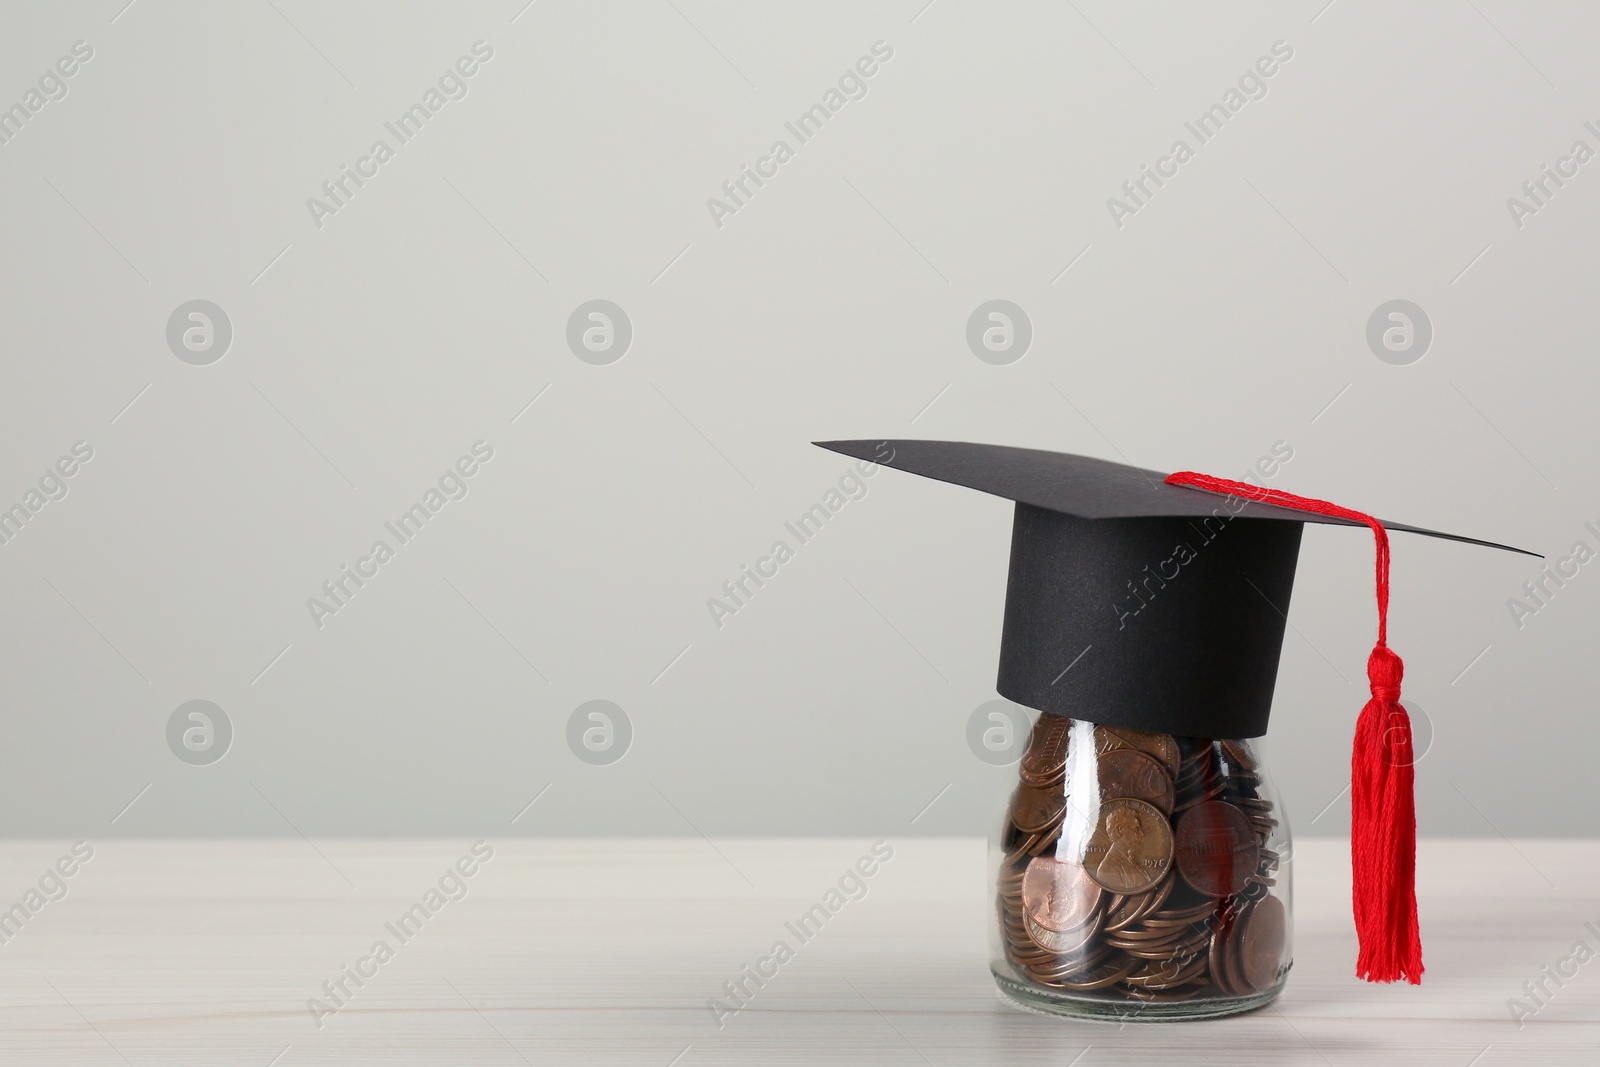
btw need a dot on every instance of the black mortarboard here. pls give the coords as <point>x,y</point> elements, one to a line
<point>1131,602</point>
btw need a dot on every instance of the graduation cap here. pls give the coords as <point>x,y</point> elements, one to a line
<point>1158,602</point>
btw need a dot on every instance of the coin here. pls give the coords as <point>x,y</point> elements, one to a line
<point>1184,898</point>
<point>1120,910</point>
<point>1239,754</point>
<point>1217,959</point>
<point>1231,961</point>
<point>1033,809</point>
<point>1260,943</point>
<point>1202,791</point>
<point>1162,746</point>
<point>1131,847</point>
<point>1070,966</point>
<point>1060,941</point>
<point>1127,772</point>
<point>1183,952</point>
<point>1148,937</point>
<point>1133,909</point>
<point>1216,848</point>
<point>1058,895</point>
<point>1041,842</point>
<point>1046,759</point>
<point>1168,951</point>
<point>1146,948</point>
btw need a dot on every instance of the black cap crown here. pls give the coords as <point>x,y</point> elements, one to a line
<point>1131,602</point>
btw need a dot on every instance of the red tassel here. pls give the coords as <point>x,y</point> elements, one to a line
<point>1383,830</point>
<point>1383,817</point>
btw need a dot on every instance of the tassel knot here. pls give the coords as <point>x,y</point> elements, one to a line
<point>1384,671</point>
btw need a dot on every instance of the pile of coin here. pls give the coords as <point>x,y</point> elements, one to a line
<point>1136,866</point>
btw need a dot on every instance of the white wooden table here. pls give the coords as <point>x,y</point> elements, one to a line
<point>600,952</point>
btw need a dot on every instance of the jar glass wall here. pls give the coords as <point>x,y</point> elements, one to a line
<point>1140,876</point>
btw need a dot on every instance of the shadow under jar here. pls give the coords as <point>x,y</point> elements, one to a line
<point>1140,876</point>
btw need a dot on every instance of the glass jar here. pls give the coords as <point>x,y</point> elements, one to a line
<point>1140,876</point>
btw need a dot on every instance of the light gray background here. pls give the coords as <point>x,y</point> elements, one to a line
<point>1227,315</point>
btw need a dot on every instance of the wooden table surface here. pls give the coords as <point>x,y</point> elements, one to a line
<point>600,952</point>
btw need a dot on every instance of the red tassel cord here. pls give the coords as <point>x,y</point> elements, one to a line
<point>1383,818</point>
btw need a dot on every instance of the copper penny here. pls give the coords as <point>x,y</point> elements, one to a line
<point>1067,967</point>
<point>1181,917</point>
<point>1127,772</point>
<point>1183,953</point>
<point>1046,758</point>
<point>1201,793</point>
<point>1131,847</point>
<point>1219,972</point>
<point>1217,850</point>
<point>1161,945</point>
<point>1230,960</point>
<point>1260,944</point>
<point>1151,903</point>
<point>1060,941</point>
<point>1034,809</point>
<point>1057,895</point>
<point>1161,746</point>
<point>1239,754</point>
<point>1121,910</point>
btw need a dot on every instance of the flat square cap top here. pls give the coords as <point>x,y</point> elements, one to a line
<point>1079,485</point>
